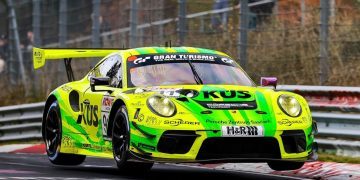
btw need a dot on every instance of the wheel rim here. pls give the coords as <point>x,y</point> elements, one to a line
<point>52,131</point>
<point>119,140</point>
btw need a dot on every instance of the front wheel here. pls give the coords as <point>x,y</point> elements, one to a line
<point>52,137</point>
<point>285,165</point>
<point>121,140</point>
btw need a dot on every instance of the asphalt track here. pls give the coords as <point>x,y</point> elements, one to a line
<point>37,166</point>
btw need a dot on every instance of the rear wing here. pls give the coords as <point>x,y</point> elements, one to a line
<point>40,56</point>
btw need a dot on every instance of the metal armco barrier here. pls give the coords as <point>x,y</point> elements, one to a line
<point>336,110</point>
<point>21,122</point>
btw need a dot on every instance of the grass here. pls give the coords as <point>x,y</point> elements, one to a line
<point>326,157</point>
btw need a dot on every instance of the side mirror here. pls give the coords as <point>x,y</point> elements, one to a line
<point>99,81</point>
<point>268,81</point>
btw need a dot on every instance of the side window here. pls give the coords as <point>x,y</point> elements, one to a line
<point>111,67</point>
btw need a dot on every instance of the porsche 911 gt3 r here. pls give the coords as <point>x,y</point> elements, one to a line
<point>179,104</point>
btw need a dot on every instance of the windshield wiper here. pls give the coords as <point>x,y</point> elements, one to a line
<point>196,75</point>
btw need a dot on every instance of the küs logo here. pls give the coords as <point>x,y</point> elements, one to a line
<point>226,94</point>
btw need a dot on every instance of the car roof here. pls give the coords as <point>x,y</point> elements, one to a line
<point>164,50</point>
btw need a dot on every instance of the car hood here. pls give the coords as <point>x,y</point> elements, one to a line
<point>217,105</point>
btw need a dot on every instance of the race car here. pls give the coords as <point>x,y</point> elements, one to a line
<point>172,104</point>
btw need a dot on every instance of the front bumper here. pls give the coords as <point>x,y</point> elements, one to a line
<point>209,146</point>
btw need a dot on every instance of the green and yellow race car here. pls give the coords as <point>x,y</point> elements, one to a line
<point>172,104</point>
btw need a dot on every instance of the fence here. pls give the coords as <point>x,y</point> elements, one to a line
<point>336,110</point>
<point>299,41</point>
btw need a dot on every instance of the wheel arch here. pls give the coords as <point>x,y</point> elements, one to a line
<point>49,101</point>
<point>117,104</point>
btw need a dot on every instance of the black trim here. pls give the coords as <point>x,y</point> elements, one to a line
<point>140,150</point>
<point>142,131</point>
<point>69,71</point>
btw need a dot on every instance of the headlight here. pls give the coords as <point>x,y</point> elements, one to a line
<point>289,105</point>
<point>161,105</point>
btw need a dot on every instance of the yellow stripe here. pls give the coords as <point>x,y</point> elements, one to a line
<point>151,50</point>
<point>171,50</point>
<point>133,52</point>
<point>192,50</point>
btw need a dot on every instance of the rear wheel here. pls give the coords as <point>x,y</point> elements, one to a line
<point>285,165</point>
<point>121,140</point>
<point>52,138</point>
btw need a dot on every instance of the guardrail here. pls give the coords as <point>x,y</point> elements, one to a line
<point>336,110</point>
<point>21,122</point>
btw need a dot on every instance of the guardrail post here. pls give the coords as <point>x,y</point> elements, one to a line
<point>133,23</point>
<point>181,29</point>
<point>14,31</point>
<point>324,44</point>
<point>95,38</point>
<point>303,9</point>
<point>37,42</point>
<point>243,36</point>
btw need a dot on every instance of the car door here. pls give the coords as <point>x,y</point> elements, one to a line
<point>95,105</point>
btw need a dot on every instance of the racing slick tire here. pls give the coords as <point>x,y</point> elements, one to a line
<point>52,138</point>
<point>285,165</point>
<point>121,140</point>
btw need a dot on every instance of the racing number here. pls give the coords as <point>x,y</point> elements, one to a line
<point>89,114</point>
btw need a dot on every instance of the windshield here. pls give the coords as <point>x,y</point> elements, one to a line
<point>146,71</point>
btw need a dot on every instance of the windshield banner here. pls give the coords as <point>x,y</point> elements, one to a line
<point>143,60</point>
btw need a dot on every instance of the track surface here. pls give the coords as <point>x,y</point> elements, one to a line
<point>36,166</point>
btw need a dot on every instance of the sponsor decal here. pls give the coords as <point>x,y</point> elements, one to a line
<point>106,104</point>
<point>141,117</point>
<point>141,96</point>
<point>228,106</point>
<point>177,122</point>
<point>227,60</point>
<point>38,56</point>
<point>136,115</point>
<point>287,122</point>
<point>152,120</point>
<point>179,57</point>
<point>86,146</point>
<point>89,114</point>
<point>266,121</point>
<point>223,122</point>
<point>141,60</point>
<point>234,105</point>
<point>68,142</point>
<point>171,92</point>
<point>137,104</point>
<point>236,122</point>
<point>226,94</point>
<point>66,88</point>
<point>145,146</point>
<point>233,131</point>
